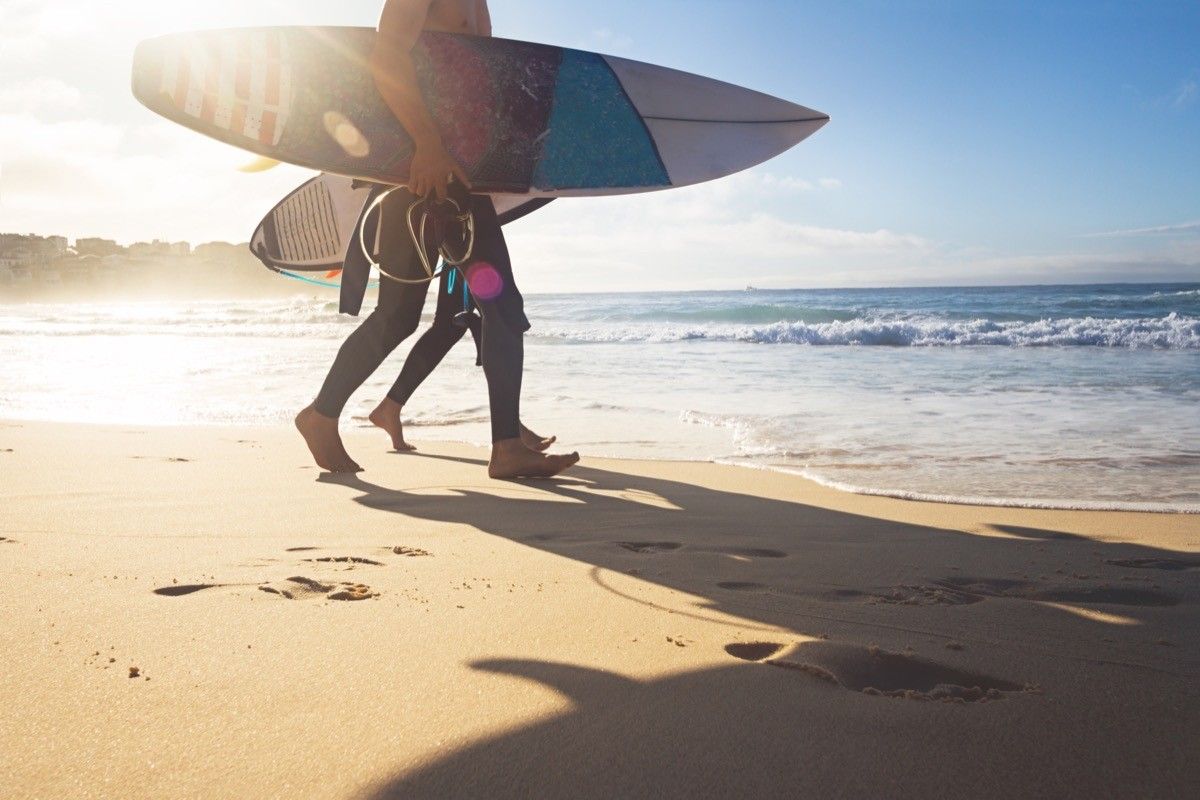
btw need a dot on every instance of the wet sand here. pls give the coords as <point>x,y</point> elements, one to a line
<point>199,612</point>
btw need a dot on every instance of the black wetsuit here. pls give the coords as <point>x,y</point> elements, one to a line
<point>453,299</point>
<point>398,314</point>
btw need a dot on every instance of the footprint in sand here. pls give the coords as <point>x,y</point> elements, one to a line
<point>347,560</point>
<point>742,586</point>
<point>297,588</point>
<point>1170,564</point>
<point>301,588</point>
<point>191,588</point>
<point>409,552</point>
<point>666,547</point>
<point>1022,590</point>
<point>966,591</point>
<point>879,673</point>
<point>649,547</point>
<point>906,595</point>
<point>6,540</point>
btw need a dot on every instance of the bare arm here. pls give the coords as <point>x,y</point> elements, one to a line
<point>396,78</point>
<point>485,19</point>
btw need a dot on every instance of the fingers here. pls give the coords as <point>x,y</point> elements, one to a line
<point>422,184</point>
<point>425,179</point>
<point>416,183</point>
<point>461,174</point>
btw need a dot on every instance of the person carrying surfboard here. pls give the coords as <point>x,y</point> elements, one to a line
<point>432,170</point>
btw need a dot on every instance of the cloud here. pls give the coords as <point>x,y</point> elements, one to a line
<point>40,95</point>
<point>1185,94</point>
<point>1158,230</point>
<point>86,177</point>
<point>1181,97</point>
<point>1099,267</point>
<point>20,42</point>
<point>742,229</point>
<point>798,184</point>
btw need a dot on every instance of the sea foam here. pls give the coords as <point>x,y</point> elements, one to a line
<point>1170,332</point>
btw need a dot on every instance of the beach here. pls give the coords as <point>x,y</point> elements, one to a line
<point>196,611</point>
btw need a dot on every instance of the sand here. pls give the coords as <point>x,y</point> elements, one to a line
<point>200,613</point>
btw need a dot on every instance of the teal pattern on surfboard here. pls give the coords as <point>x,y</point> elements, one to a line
<point>595,137</point>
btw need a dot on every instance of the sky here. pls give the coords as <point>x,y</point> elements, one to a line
<point>970,143</point>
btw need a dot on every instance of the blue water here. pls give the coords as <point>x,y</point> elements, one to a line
<point>1080,396</point>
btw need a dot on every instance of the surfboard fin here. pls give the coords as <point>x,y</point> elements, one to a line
<point>260,164</point>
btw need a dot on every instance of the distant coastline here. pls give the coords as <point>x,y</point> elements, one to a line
<point>48,268</point>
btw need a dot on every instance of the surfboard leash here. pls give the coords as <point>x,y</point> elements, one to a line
<point>418,218</point>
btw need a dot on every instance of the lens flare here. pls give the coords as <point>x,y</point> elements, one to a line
<point>348,137</point>
<point>484,280</point>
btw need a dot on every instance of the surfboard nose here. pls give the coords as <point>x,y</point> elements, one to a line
<point>662,93</point>
<point>705,128</point>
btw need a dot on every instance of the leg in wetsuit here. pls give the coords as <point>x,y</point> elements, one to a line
<point>436,342</point>
<point>427,353</point>
<point>397,315</point>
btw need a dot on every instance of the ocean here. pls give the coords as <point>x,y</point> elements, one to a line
<point>1055,396</point>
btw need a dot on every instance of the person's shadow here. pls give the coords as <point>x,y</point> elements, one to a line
<point>1039,642</point>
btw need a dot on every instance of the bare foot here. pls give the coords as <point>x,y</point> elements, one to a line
<point>535,442</point>
<point>324,442</point>
<point>387,416</point>
<point>512,459</point>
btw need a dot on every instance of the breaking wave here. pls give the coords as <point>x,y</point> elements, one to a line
<point>1171,332</point>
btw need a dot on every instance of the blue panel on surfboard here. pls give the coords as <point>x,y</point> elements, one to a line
<point>596,137</point>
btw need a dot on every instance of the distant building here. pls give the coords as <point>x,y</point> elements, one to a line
<point>159,248</point>
<point>146,249</point>
<point>97,247</point>
<point>218,251</point>
<point>28,250</point>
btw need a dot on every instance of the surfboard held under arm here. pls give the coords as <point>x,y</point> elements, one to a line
<point>523,118</point>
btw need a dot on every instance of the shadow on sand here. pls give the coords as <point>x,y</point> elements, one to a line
<point>1068,665</point>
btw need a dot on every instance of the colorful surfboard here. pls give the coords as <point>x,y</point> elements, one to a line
<point>522,118</point>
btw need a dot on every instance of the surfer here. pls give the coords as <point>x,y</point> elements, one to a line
<point>397,313</point>
<point>454,317</point>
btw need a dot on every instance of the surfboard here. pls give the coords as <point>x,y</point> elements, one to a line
<point>523,118</point>
<point>315,226</point>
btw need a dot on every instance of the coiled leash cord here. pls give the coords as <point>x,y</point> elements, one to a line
<point>423,214</point>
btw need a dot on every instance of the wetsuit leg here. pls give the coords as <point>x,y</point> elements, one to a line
<point>433,345</point>
<point>504,321</point>
<point>395,317</point>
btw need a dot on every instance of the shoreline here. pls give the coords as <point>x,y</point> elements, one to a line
<point>999,502</point>
<point>1035,504</point>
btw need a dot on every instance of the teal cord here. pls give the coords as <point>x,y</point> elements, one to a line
<point>315,282</point>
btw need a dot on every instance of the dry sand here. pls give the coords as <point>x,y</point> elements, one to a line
<point>199,613</point>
